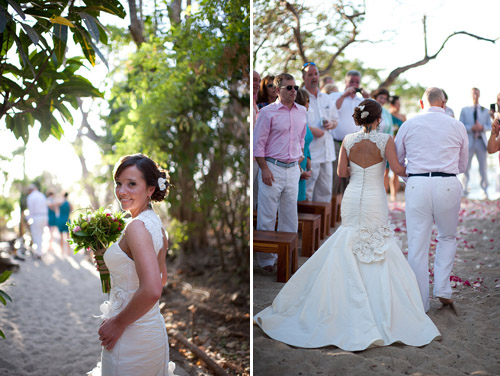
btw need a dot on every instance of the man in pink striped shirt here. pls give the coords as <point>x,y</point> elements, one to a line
<point>278,148</point>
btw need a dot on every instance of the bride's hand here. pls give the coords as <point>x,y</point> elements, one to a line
<point>110,332</point>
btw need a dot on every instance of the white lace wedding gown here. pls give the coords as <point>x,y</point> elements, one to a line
<point>143,347</point>
<point>357,290</point>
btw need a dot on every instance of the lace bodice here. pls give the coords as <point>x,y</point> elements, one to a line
<point>379,139</point>
<point>153,224</point>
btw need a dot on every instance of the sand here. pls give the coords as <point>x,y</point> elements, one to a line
<point>470,343</point>
<point>50,326</point>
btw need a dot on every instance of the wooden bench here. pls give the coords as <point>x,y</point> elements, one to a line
<point>285,244</point>
<point>322,208</point>
<point>336,202</point>
<point>309,226</point>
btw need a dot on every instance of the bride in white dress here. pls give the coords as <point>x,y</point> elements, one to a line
<point>357,290</point>
<point>133,335</point>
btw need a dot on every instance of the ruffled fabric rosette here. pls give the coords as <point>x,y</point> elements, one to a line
<point>371,243</point>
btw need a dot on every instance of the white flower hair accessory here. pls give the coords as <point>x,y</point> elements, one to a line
<point>364,114</point>
<point>361,108</point>
<point>161,184</point>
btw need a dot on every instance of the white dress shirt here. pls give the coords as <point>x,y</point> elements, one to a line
<point>346,121</point>
<point>321,107</point>
<point>432,142</point>
<point>37,204</point>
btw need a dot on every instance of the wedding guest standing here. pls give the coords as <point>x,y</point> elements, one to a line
<point>305,165</point>
<point>53,213</point>
<point>433,145</point>
<point>64,211</point>
<point>278,148</point>
<point>322,116</point>
<point>267,92</point>
<point>447,109</point>
<point>494,140</point>
<point>255,185</point>
<point>37,218</point>
<point>345,102</point>
<point>477,121</point>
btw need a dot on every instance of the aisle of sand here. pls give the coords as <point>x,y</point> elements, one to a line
<point>470,343</point>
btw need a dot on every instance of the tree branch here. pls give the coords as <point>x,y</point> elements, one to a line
<point>400,70</point>
<point>296,31</point>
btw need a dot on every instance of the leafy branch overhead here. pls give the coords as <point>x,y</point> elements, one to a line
<point>37,77</point>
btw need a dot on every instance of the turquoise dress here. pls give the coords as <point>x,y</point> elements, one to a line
<point>303,164</point>
<point>63,217</point>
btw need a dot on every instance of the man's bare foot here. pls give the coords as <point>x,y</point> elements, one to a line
<point>448,303</point>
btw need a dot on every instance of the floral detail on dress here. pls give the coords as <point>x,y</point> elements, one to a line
<point>371,243</point>
<point>118,299</point>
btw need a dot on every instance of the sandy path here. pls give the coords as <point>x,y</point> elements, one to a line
<point>49,326</point>
<point>470,343</point>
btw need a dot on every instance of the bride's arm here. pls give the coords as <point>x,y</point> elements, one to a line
<point>162,259</point>
<point>392,158</point>
<point>343,165</point>
<point>146,263</point>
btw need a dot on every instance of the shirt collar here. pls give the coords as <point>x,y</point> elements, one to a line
<point>436,109</point>
<point>279,105</point>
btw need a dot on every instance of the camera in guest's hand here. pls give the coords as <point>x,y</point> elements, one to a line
<point>492,107</point>
<point>358,89</point>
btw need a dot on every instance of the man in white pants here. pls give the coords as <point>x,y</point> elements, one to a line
<point>37,218</point>
<point>435,147</point>
<point>278,148</point>
<point>322,116</point>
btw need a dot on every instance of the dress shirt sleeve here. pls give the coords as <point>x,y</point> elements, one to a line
<point>400,146</point>
<point>463,158</point>
<point>334,113</point>
<point>304,130</point>
<point>487,125</point>
<point>261,133</point>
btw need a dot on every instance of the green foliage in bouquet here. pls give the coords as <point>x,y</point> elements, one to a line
<point>96,231</point>
<point>3,295</point>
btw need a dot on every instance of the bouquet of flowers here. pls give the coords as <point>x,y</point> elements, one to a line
<point>96,231</point>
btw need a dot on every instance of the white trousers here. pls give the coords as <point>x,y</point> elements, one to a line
<point>36,228</point>
<point>319,185</point>
<point>477,147</point>
<point>279,198</point>
<point>428,200</point>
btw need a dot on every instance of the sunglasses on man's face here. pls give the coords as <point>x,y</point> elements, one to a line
<point>270,86</point>
<point>290,87</point>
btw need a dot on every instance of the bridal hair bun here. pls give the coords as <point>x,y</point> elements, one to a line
<point>154,175</point>
<point>367,112</point>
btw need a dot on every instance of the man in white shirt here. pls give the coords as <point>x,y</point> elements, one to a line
<point>476,120</point>
<point>322,116</point>
<point>37,218</point>
<point>435,147</point>
<point>345,102</point>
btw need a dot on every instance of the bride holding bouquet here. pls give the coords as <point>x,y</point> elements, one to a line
<point>133,335</point>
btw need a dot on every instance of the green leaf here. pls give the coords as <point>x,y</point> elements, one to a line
<point>5,275</point>
<point>31,33</point>
<point>2,335</point>
<point>17,8</point>
<point>3,19</point>
<point>9,85</point>
<point>78,86</point>
<point>87,49</point>
<point>4,297</point>
<point>60,41</point>
<point>91,25</point>
<point>21,51</point>
<point>64,112</point>
<point>108,6</point>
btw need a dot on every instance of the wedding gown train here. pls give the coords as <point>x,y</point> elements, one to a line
<point>143,347</point>
<point>357,290</point>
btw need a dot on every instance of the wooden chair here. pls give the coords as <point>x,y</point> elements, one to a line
<point>322,208</point>
<point>285,244</point>
<point>336,202</point>
<point>309,226</point>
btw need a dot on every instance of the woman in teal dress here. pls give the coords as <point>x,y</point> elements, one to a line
<point>53,209</point>
<point>64,211</point>
<point>305,166</point>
